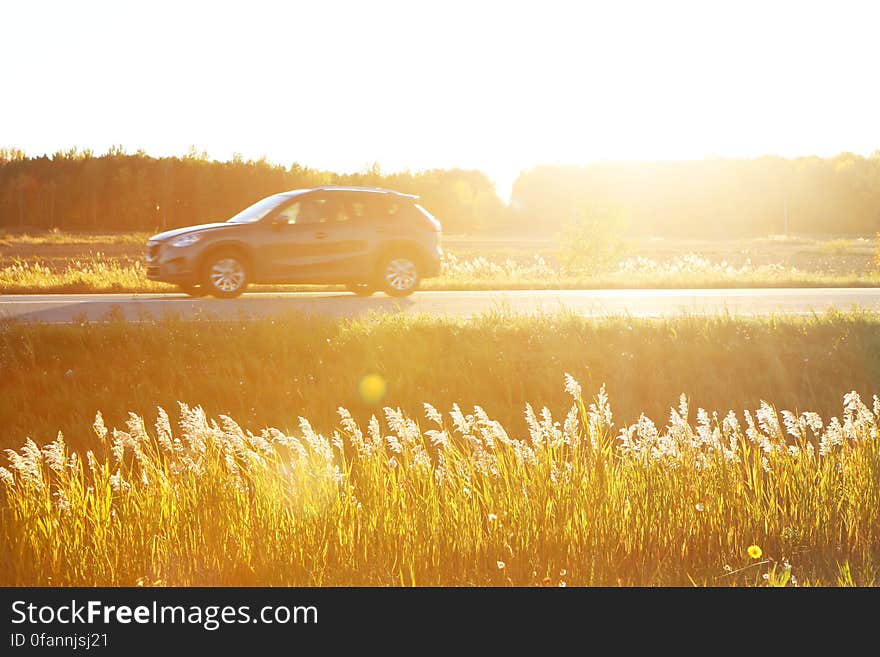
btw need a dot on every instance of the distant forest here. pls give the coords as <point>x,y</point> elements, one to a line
<point>77,190</point>
<point>118,191</point>
<point>715,197</point>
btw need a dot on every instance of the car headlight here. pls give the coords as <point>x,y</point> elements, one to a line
<point>186,240</point>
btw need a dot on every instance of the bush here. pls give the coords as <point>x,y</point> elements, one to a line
<point>877,255</point>
<point>835,247</point>
<point>593,239</point>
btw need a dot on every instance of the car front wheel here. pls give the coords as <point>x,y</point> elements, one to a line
<point>225,275</point>
<point>399,275</point>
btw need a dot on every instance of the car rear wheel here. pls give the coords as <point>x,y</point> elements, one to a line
<point>361,289</point>
<point>225,275</point>
<point>399,275</point>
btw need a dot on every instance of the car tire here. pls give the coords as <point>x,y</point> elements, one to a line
<point>361,289</point>
<point>225,275</point>
<point>192,289</point>
<point>399,275</point>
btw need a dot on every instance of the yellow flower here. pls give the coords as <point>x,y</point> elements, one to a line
<point>755,551</point>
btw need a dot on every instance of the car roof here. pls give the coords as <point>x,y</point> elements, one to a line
<point>352,188</point>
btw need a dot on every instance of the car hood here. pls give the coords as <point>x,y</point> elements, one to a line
<point>168,234</point>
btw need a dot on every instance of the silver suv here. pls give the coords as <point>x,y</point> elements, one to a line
<point>363,237</point>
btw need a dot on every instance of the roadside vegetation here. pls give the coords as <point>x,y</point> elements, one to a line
<point>746,499</point>
<point>271,372</point>
<point>512,476</point>
<point>82,263</point>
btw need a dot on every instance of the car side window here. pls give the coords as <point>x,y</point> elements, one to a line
<point>289,214</point>
<point>373,208</point>
<point>358,209</point>
<point>348,207</point>
<point>340,210</point>
<point>316,210</point>
<point>390,210</point>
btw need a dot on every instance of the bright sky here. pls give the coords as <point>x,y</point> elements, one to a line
<point>499,86</point>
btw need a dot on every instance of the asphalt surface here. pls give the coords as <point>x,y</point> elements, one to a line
<point>73,308</point>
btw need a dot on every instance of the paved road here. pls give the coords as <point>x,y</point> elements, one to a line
<point>57,308</point>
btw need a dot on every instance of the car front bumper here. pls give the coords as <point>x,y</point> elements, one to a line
<point>170,264</point>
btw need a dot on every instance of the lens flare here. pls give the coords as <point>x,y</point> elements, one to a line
<point>372,388</point>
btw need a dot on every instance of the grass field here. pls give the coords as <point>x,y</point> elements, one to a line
<point>270,372</point>
<point>493,493</point>
<point>71,263</point>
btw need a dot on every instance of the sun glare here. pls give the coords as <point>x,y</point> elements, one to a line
<point>495,86</point>
<point>304,300</point>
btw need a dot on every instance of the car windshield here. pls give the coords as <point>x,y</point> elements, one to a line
<point>259,209</point>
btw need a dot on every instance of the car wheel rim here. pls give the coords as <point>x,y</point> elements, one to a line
<point>401,274</point>
<point>227,275</point>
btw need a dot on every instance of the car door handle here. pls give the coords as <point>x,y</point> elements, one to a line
<point>320,235</point>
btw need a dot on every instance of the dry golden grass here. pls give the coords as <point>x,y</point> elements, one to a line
<point>83,263</point>
<point>482,494</point>
<point>270,372</point>
<point>453,500</point>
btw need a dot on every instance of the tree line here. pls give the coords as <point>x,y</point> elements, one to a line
<point>79,190</point>
<point>117,191</point>
<point>712,197</point>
